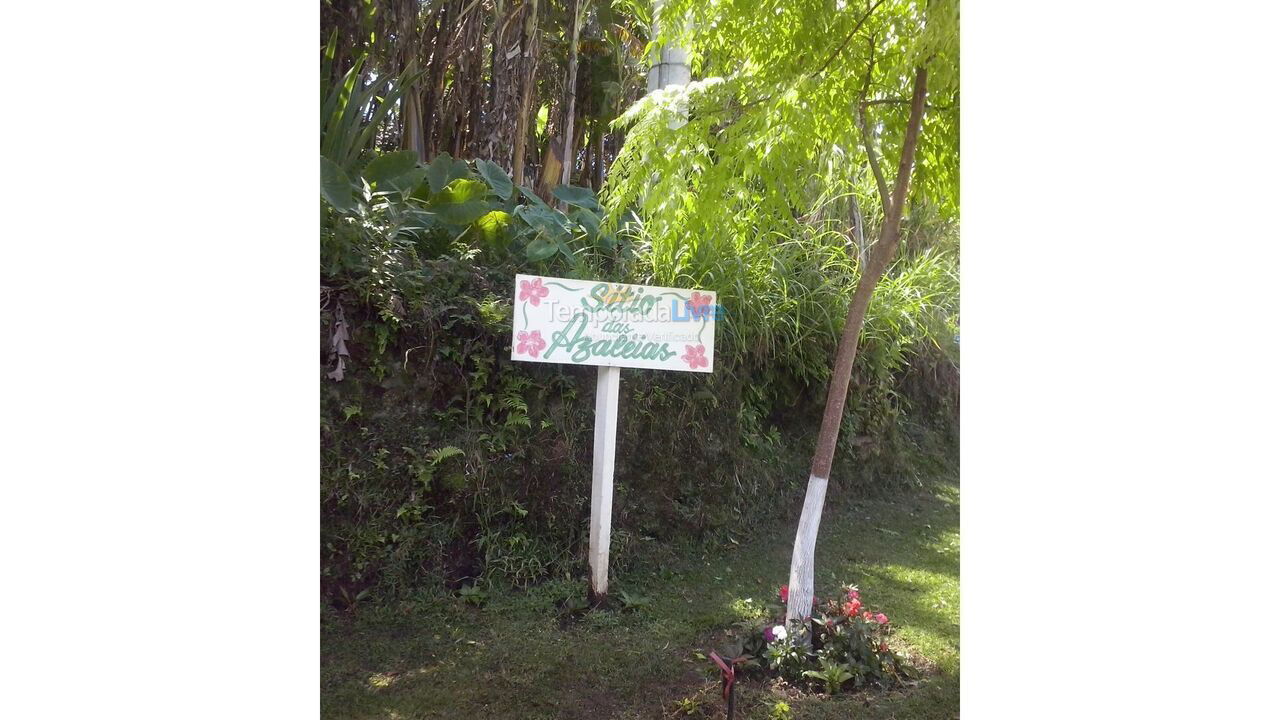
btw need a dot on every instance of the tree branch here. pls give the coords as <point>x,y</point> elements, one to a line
<point>905,101</point>
<point>848,38</point>
<point>872,157</point>
<point>890,234</point>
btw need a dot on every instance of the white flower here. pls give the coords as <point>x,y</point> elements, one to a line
<point>779,632</point>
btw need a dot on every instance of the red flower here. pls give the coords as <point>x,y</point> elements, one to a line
<point>851,608</point>
<point>533,291</point>
<point>782,592</point>
<point>699,305</point>
<point>530,343</point>
<point>696,356</point>
<point>882,618</point>
<point>884,648</point>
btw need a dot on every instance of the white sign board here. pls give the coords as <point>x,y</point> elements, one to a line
<point>611,325</point>
<point>588,322</point>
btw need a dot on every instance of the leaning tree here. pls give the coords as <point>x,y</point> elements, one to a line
<point>788,87</point>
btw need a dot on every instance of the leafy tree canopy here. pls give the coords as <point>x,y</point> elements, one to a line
<point>773,131</point>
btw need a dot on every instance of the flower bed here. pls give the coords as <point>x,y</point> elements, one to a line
<point>843,645</point>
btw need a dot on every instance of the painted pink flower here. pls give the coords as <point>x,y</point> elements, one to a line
<point>533,291</point>
<point>696,356</point>
<point>699,305</point>
<point>530,343</point>
<point>882,618</point>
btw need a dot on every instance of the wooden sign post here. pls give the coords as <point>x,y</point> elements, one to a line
<point>611,325</point>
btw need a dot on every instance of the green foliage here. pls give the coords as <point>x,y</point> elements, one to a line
<point>631,601</point>
<point>473,595</point>
<point>688,706</point>
<point>390,166</point>
<point>833,674</point>
<point>445,464</point>
<point>412,211</point>
<point>748,181</point>
<point>345,134</point>
<point>496,177</point>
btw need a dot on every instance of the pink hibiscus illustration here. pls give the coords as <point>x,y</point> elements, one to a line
<point>530,343</point>
<point>696,356</point>
<point>533,291</point>
<point>699,305</point>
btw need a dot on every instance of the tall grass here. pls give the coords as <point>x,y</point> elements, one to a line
<point>785,294</point>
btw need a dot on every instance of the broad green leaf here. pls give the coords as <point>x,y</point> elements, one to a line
<point>588,220</point>
<point>591,223</point>
<point>335,186</point>
<point>408,182</point>
<point>460,191</point>
<point>389,166</point>
<point>566,251</point>
<point>493,224</point>
<point>540,248</point>
<point>577,196</point>
<point>463,213</point>
<point>420,220</point>
<point>532,197</point>
<point>548,222</point>
<point>444,170</point>
<point>496,177</point>
<point>462,202</point>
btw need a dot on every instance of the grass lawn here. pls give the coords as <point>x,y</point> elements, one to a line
<point>522,656</point>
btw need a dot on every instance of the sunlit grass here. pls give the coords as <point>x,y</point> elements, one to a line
<point>523,655</point>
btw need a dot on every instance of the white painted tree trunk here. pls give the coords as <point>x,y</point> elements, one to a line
<point>800,592</point>
<point>800,595</point>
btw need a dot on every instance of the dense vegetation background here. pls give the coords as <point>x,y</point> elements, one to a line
<point>445,465</point>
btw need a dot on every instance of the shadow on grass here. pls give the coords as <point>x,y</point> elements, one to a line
<point>515,658</point>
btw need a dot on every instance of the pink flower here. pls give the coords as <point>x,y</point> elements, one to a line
<point>851,608</point>
<point>696,356</point>
<point>530,343</point>
<point>782,592</point>
<point>533,291</point>
<point>853,594</point>
<point>699,305</point>
<point>882,618</point>
<point>866,615</point>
